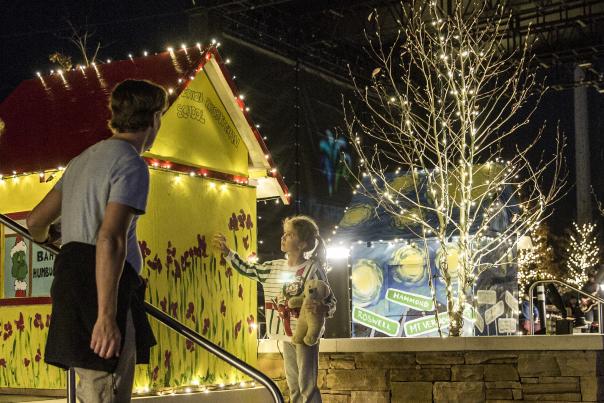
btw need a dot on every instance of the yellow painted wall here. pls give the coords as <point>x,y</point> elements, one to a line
<point>198,131</point>
<point>24,192</point>
<point>195,287</point>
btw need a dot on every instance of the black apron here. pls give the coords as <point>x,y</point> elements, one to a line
<point>74,311</point>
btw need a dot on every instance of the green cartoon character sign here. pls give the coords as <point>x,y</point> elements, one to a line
<point>19,269</point>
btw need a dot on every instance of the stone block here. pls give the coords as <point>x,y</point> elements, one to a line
<point>462,373</point>
<point>559,379</point>
<point>503,385</point>
<point>554,397</point>
<point>384,360</point>
<point>459,392</point>
<point>324,360</point>
<point>486,357</point>
<point>271,365</point>
<point>576,363</point>
<point>500,372</point>
<point>529,380</point>
<point>517,393</point>
<point>369,397</point>
<point>589,388</point>
<point>540,388</point>
<point>501,394</point>
<point>359,379</point>
<point>342,362</point>
<point>335,398</point>
<point>439,358</point>
<point>403,392</point>
<point>538,364</point>
<point>414,374</point>
<point>321,382</point>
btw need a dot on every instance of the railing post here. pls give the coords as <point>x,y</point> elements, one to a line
<point>71,386</point>
<point>600,330</point>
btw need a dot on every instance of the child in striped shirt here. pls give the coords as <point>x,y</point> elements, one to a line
<point>282,279</point>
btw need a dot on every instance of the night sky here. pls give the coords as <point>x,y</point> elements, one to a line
<point>31,31</point>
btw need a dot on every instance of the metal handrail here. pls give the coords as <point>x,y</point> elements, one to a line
<point>172,324</point>
<point>532,287</point>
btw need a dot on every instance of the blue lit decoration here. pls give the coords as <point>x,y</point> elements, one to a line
<point>334,158</point>
<point>391,268</point>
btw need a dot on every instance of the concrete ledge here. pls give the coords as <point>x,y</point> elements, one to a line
<point>582,342</point>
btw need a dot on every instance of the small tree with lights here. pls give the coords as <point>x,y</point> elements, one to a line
<point>442,104</point>
<point>582,253</point>
<point>538,261</point>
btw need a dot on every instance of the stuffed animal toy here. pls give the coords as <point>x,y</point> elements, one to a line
<point>311,322</point>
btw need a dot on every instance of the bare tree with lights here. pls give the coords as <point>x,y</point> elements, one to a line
<point>443,103</point>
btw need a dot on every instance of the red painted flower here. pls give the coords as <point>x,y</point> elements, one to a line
<point>246,242</point>
<point>47,320</point>
<point>38,355</point>
<point>241,218</point>
<point>201,243</point>
<point>250,322</point>
<point>222,308</point>
<point>240,294</point>
<point>155,264</point>
<point>206,326</point>
<point>184,261</point>
<point>155,373</point>
<point>248,222</point>
<point>38,323</point>
<point>8,330</point>
<point>145,251</point>
<point>171,251</point>
<point>190,345</point>
<point>26,362</point>
<point>163,304</point>
<point>176,272</point>
<point>173,308</point>
<point>20,323</point>
<point>222,260</point>
<point>228,272</point>
<point>190,314</point>
<point>233,224</point>
<point>237,329</point>
<point>167,356</point>
<point>2,363</point>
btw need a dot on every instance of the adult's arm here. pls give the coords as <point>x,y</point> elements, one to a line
<point>110,257</point>
<point>43,215</point>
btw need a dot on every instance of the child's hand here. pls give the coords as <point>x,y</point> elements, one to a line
<point>219,243</point>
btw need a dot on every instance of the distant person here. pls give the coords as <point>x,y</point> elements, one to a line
<point>99,326</point>
<point>282,279</point>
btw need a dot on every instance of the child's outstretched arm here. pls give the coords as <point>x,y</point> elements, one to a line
<point>255,271</point>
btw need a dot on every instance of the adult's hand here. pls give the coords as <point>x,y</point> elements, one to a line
<point>219,243</point>
<point>106,338</point>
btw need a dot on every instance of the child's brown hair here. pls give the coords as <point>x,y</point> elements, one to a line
<point>307,231</point>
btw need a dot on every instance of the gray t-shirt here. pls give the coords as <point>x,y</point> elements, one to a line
<point>109,171</point>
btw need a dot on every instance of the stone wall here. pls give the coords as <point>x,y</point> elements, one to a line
<point>468,376</point>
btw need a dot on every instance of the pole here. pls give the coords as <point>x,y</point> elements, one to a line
<point>582,164</point>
